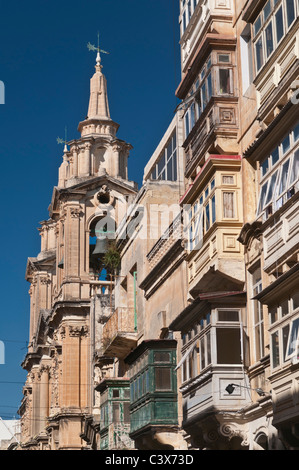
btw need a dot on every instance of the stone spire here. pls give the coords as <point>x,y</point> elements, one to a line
<point>98,102</point>
<point>98,120</point>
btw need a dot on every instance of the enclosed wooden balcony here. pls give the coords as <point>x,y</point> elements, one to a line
<point>120,333</point>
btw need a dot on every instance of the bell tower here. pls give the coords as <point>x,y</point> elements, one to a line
<point>98,151</point>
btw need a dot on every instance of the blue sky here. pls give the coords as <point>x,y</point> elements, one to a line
<point>46,68</point>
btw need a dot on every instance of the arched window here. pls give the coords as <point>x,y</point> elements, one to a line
<point>102,230</point>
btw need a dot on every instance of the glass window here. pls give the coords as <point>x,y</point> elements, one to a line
<point>285,337</point>
<point>207,217</point>
<point>126,412</point>
<point>290,11</point>
<point>224,81</point>
<point>284,177</point>
<point>163,378</point>
<point>295,301</point>
<point>296,133</point>
<point>161,356</point>
<point>279,24</point>
<point>275,156</point>
<point>293,340</point>
<point>259,53</point>
<point>273,314</point>
<point>228,315</point>
<point>269,39</point>
<point>267,10</point>
<point>228,346</point>
<point>265,166</point>
<point>275,349</point>
<point>271,188</point>
<point>295,168</point>
<point>286,144</point>
<point>213,209</point>
<point>209,87</point>
<point>116,412</point>
<point>115,393</point>
<point>224,58</point>
<point>257,25</point>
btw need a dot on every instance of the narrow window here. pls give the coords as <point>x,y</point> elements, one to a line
<point>259,53</point>
<point>224,81</point>
<point>228,346</point>
<point>290,11</point>
<point>284,177</point>
<point>163,378</point>
<point>293,340</point>
<point>228,205</point>
<point>269,39</point>
<point>279,24</point>
<point>295,168</point>
<point>275,349</point>
<point>246,58</point>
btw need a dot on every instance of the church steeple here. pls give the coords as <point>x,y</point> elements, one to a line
<point>98,102</point>
<point>98,120</point>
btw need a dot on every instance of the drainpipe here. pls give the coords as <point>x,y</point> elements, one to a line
<point>135,303</point>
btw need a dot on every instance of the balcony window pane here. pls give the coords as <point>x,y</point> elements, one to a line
<point>213,209</point>
<point>161,163</point>
<point>169,171</point>
<point>271,189</point>
<point>257,25</point>
<point>187,129</point>
<point>293,340</point>
<point>275,156</point>
<point>279,24</point>
<point>284,307</point>
<point>116,414</point>
<point>267,10</point>
<point>290,11</point>
<point>161,357</point>
<point>275,349</point>
<point>296,133</point>
<point>203,96</point>
<point>228,346</point>
<point>259,53</point>
<point>265,166</point>
<point>126,412</point>
<point>207,217</point>
<point>209,356</point>
<point>295,299</point>
<point>228,315</point>
<point>285,337</point>
<point>202,354</point>
<point>224,81</point>
<point>286,144</point>
<point>269,39</point>
<point>228,205</point>
<point>284,177</point>
<point>224,58</point>
<point>295,168</point>
<point>209,87</point>
<point>163,378</point>
<point>273,314</point>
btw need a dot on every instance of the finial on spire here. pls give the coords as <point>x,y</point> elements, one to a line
<point>97,49</point>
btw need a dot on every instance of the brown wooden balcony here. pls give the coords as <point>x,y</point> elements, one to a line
<point>120,333</point>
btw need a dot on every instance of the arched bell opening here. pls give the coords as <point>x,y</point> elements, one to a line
<point>101,234</point>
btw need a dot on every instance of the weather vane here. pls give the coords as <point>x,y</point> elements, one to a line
<point>97,49</point>
<point>61,141</point>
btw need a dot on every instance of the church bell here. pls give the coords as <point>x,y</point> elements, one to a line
<point>101,247</point>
